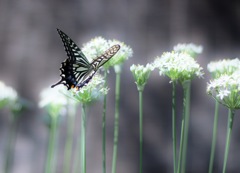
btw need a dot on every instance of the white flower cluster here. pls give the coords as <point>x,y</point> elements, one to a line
<point>95,47</point>
<point>225,86</point>
<point>141,74</point>
<point>225,66</point>
<point>54,101</point>
<point>191,49</point>
<point>99,45</point>
<point>226,90</point>
<point>7,94</point>
<point>123,54</point>
<point>178,66</point>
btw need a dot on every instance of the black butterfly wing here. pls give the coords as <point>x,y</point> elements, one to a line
<point>72,50</point>
<point>86,80</point>
<point>97,63</point>
<point>106,56</point>
<point>75,68</point>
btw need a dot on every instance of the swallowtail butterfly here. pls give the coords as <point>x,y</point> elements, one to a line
<point>76,71</point>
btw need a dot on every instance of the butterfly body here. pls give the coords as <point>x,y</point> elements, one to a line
<point>76,70</point>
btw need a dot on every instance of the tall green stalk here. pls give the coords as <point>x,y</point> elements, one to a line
<point>83,126</point>
<point>214,138</point>
<point>140,127</point>
<point>50,165</point>
<point>77,157</point>
<point>141,74</point>
<point>104,126</point>
<point>186,102</point>
<point>69,139</point>
<point>174,126</point>
<point>184,128</point>
<point>231,113</point>
<point>116,120</point>
<point>11,143</point>
<point>180,156</point>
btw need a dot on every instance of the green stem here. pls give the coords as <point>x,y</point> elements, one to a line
<point>77,158</point>
<point>83,138</point>
<point>181,145</point>
<point>174,126</point>
<point>69,138</point>
<point>104,126</point>
<point>231,114</point>
<point>116,121</point>
<point>184,128</point>
<point>215,127</point>
<point>186,107</point>
<point>51,146</point>
<point>11,144</point>
<point>140,128</point>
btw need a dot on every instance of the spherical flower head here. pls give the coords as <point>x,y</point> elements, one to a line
<point>141,74</point>
<point>191,49</point>
<point>95,47</point>
<point>226,90</point>
<point>225,66</point>
<point>53,101</point>
<point>90,92</point>
<point>122,55</point>
<point>178,66</point>
<point>8,95</point>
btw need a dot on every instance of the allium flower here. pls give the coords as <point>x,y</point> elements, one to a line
<point>190,49</point>
<point>141,74</point>
<point>178,66</point>
<point>225,66</point>
<point>122,55</point>
<point>95,47</point>
<point>53,100</point>
<point>91,92</point>
<point>8,95</point>
<point>99,45</point>
<point>226,90</point>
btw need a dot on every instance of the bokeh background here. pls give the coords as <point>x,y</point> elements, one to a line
<point>31,52</point>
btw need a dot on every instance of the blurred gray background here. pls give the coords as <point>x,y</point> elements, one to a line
<point>31,52</point>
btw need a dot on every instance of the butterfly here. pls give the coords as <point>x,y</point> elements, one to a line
<point>76,71</point>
